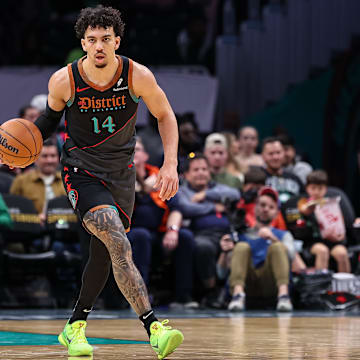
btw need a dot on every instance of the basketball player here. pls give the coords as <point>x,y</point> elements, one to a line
<point>99,94</point>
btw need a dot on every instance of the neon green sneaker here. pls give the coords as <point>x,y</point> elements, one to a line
<point>74,339</point>
<point>163,339</point>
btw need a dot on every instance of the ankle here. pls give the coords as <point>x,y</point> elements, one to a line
<point>147,319</point>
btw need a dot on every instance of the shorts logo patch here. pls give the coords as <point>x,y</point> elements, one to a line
<point>73,197</point>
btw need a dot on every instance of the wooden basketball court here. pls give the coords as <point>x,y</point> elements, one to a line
<point>238,337</point>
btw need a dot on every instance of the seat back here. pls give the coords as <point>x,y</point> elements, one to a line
<point>26,221</point>
<point>345,204</point>
<point>5,182</point>
<point>62,223</point>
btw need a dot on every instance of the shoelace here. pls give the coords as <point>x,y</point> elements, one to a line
<point>164,322</point>
<point>79,335</point>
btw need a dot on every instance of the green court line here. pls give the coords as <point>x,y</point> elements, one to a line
<point>11,338</point>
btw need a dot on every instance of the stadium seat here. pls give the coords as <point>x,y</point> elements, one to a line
<point>26,221</point>
<point>61,221</point>
<point>5,182</point>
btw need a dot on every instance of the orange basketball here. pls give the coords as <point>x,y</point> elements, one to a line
<point>20,142</point>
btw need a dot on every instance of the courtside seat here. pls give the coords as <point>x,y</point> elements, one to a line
<point>61,221</point>
<point>26,221</point>
<point>63,227</point>
<point>28,275</point>
<point>5,182</point>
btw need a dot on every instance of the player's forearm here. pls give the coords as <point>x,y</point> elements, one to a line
<point>168,130</point>
<point>48,122</point>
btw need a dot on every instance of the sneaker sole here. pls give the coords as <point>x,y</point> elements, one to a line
<point>75,353</point>
<point>172,344</point>
<point>234,310</point>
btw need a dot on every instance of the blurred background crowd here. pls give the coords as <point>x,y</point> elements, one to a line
<point>268,153</point>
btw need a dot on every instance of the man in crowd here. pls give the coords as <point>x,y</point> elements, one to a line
<point>42,183</point>
<point>285,183</point>
<point>216,152</point>
<point>260,260</point>
<point>202,201</point>
<point>29,112</point>
<point>292,162</point>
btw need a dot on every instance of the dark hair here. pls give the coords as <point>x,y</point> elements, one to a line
<point>255,175</point>
<point>185,118</point>
<point>49,142</point>
<point>99,16</point>
<point>24,108</point>
<point>246,127</point>
<point>286,140</point>
<point>269,140</point>
<point>317,177</point>
<point>192,157</point>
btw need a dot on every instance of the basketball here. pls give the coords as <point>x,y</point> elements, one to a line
<point>20,142</point>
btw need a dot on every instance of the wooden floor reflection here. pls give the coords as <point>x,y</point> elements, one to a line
<point>230,338</point>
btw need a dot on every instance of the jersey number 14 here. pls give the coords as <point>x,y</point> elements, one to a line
<point>107,124</point>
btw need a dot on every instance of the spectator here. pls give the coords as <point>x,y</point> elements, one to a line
<point>285,183</point>
<point>157,224</point>
<point>39,102</point>
<point>42,183</point>
<point>201,201</point>
<point>189,139</point>
<point>254,180</point>
<point>233,164</point>
<point>334,244</point>
<point>259,260</point>
<point>248,142</point>
<point>292,162</point>
<point>152,141</point>
<point>216,152</point>
<point>29,112</point>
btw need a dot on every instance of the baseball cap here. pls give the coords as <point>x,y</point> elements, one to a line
<point>215,139</point>
<point>39,101</point>
<point>268,190</point>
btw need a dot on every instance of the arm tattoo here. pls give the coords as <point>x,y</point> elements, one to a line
<point>106,225</point>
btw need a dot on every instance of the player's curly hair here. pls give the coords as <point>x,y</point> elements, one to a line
<point>99,16</point>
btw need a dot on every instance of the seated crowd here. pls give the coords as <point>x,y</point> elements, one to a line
<point>231,229</point>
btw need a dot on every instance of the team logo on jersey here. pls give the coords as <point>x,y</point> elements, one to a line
<point>73,197</point>
<point>118,88</point>
<point>100,104</point>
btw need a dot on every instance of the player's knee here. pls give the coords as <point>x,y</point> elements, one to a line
<point>103,219</point>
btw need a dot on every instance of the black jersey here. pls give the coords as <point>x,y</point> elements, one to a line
<point>100,120</point>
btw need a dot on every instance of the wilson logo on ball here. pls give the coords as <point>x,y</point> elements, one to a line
<point>3,143</point>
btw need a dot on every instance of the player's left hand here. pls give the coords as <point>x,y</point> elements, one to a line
<point>167,181</point>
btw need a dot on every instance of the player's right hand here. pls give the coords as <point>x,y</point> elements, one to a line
<point>2,163</point>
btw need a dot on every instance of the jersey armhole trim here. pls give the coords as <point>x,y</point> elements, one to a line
<point>130,84</point>
<point>72,85</point>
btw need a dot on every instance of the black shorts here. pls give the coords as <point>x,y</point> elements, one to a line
<point>86,190</point>
<point>328,243</point>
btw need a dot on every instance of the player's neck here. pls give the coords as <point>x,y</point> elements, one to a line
<point>100,76</point>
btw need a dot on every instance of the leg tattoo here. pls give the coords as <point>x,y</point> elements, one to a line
<point>106,225</point>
